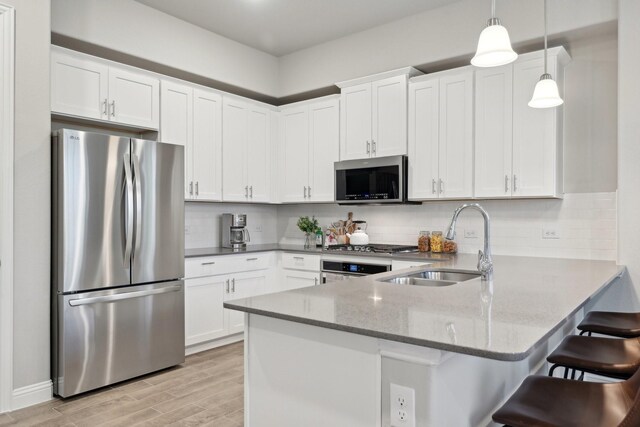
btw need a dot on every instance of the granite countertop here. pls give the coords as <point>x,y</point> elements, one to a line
<point>506,318</point>
<point>408,256</point>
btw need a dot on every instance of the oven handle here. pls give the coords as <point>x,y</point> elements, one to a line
<point>338,273</point>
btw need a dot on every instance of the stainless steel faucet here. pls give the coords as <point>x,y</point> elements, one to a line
<point>485,262</point>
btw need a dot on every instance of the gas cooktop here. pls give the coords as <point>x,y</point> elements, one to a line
<point>373,248</point>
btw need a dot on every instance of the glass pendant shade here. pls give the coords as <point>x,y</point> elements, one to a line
<point>494,46</point>
<point>546,94</point>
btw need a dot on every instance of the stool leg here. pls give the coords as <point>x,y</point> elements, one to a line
<point>553,368</point>
<point>566,372</point>
<point>573,374</point>
<point>582,332</point>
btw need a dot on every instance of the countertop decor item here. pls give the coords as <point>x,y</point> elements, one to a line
<point>308,226</point>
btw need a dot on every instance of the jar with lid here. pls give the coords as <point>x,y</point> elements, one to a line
<point>449,247</point>
<point>437,241</point>
<point>424,241</point>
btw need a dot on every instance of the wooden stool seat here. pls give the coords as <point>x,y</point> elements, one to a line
<point>614,357</point>
<point>623,325</point>
<point>555,402</point>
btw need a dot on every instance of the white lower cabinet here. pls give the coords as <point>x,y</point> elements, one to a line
<point>298,271</point>
<point>204,316</point>
<point>243,285</point>
<point>294,279</point>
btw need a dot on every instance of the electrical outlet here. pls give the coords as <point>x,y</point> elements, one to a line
<point>470,233</point>
<point>550,233</point>
<point>187,229</point>
<point>402,406</point>
<point>258,229</point>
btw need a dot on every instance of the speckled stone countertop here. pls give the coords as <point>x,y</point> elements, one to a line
<point>409,256</point>
<point>504,319</point>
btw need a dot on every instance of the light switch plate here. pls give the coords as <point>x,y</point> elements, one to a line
<point>550,233</point>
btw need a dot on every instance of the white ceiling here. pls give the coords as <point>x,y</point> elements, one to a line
<point>280,27</point>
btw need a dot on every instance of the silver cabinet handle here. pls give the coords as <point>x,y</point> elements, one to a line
<point>305,191</point>
<point>208,263</point>
<point>373,146</point>
<point>252,259</point>
<point>433,186</point>
<point>506,183</point>
<point>515,183</point>
<point>128,179</point>
<point>104,108</point>
<point>315,281</point>
<point>299,257</point>
<point>309,192</point>
<point>197,187</point>
<point>441,186</point>
<point>123,296</point>
<point>251,191</point>
<point>368,147</point>
<point>191,188</point>
<point>113,108</point>
<point>227,285</point>
<point>233,286</point>
<point>246,191</point>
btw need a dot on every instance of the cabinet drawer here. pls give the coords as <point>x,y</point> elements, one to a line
<point>226,264</point>
<point>301,261</point>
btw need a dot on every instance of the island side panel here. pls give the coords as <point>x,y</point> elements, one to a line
<point>301,375</point>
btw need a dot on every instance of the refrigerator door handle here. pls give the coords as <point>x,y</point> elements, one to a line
<point>138,193</point>
<point>123,296</point>
<point>128,183</point>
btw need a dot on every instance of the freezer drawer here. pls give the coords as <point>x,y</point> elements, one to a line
<point>104,337</point>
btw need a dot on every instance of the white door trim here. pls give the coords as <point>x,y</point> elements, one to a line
<point>7,63</point>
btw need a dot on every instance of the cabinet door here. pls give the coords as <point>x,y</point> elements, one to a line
<point>177,124</point>
<point>244,285</point>
<point>389,117</point>
<point>234,147</point>
<point>79,86</point>
<point>355,122</point>
<point>259,154</point>
<point>134,98</point>
<point>204,313</point>
<point>295,153</point>
<point>493,139</point>
<point>293,279</point>
<point>534,134</point>
<point>207,145</point>
<point>456,135</point>
<point>324,147</point>
<point>423,139</point>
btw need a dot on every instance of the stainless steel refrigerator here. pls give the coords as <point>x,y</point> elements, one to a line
<point>117,259</point>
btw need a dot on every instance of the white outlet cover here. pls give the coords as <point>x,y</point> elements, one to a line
<point>258,229</point>
<point>550,233</point>
<point>402,406</point>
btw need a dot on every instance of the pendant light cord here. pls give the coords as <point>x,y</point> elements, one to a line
<point>493,8</point>
<point>545,36</point>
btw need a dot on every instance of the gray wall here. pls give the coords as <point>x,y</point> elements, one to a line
<point>32,198</point>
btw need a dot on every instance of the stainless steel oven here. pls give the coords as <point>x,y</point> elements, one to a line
<point>377,180</point>
<point>334,270</point>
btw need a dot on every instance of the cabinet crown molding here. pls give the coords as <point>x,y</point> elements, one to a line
<point>408,71</point>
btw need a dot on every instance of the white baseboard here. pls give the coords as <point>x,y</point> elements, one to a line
<point>197,348</point>
<point>31,395</point>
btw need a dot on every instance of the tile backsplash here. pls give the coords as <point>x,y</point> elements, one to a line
<point>582,225</point>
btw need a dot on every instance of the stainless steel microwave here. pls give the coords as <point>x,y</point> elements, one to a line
<point>376,180</point>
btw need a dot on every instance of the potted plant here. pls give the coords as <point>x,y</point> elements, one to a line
<point>308,226</point>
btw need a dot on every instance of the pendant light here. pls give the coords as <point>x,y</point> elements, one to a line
<point>545,94</point>
<point>494,45</point>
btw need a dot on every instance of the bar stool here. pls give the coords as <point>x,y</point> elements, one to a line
<point>623,325</point>
<point>555,402</point>
<point>609,357</point>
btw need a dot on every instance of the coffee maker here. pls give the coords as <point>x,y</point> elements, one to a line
<point>234,231</point>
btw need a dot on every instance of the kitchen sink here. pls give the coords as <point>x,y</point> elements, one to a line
<point>434,278</point>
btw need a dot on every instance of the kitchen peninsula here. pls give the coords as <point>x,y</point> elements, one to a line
<point>329,354</point>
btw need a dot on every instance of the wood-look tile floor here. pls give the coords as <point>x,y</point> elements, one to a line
<point>207,390</point>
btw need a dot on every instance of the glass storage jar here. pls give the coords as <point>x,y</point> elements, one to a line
<point>449,247</point>
<point>436,242</point>
<point>424,241</point>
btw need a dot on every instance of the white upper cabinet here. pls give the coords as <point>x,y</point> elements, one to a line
<point>246,151</point>
<point>192,117</point>
<point>91,88</point>
<point>79,85</point>
<point>373,115</point>
<point>494,131</point>
<point>441,135</point>
<point>537,133</point>
<point>309,144</point>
